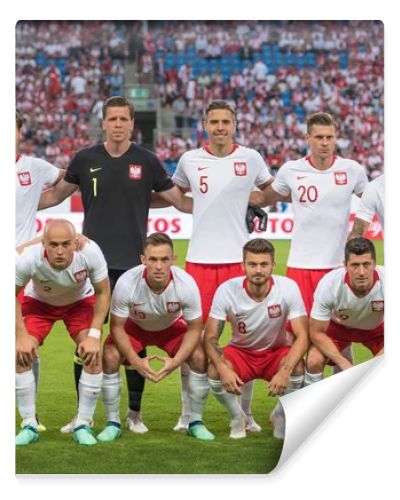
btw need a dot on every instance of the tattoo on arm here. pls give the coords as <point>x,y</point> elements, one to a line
<point>215,345</point>
<point>358,229</point>
<point>221,325</point>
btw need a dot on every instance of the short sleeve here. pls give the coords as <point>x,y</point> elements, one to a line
<point>263,173</point>
<point>72,174</point>
<point>98,270</point>
<point>219,308</point>
<point>361,179</point>
<point>368,204</point>
<point>323,305</point>
<point>191,306</point>
<point>120,297</point>
<point>48,173</point>
<point>180,177</point>
<point>162,181</point>
<point>280,184</point>
<point>23,267</point>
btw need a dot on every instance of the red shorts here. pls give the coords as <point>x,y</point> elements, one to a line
<point>208,278</point>
<point>40,317</point>
<point>307,279</point>
<point>169,340</point>
<point>250,365</point>
<point>343,336</point>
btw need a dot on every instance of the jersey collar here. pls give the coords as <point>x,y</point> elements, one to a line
<point>233,149</point>
<point>271,283</point>
<point>309,159</point>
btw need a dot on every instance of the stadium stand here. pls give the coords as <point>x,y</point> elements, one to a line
<point>275,72</point>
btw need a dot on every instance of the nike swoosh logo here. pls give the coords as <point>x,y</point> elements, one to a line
<point>301,177</point>
<point>44,281</point>
<point>134,305</point>
<point>95,169</point>
<point>201,168</point>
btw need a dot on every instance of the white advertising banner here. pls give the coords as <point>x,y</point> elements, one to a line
<point>179,226</point>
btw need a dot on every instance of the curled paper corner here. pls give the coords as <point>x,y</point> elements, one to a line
<point>307,408</point>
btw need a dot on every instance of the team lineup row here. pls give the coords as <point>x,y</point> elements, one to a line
<point>118,180</point>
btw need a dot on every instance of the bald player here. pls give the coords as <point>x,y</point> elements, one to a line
<point>61,284</point>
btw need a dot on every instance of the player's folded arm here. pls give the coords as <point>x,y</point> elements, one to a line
<point>103,297</point>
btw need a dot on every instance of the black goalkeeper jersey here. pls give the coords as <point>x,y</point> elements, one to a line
<point>116,195</point>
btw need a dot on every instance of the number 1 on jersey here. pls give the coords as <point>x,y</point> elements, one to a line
<point>94,179</point>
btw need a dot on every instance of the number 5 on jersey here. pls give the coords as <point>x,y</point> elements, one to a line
<point>203,184</point>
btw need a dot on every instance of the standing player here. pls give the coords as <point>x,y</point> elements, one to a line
<point>32,176</point>
<point>116,180</point>
<point>257,306</point>
<point>321,186</point>
<point>372,202</point>
<point>348,307</point>
<point>220,176</point>
<point>63,285</point>
<point>155,304</point>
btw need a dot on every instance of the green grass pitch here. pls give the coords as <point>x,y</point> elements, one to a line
<point>160,450</point>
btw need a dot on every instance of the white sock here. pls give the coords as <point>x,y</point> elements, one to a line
<point>348,354</point>
<point>246,397</point>
<point>185,398</point>
<point>295,383</point>
<point>36,372</point>
<point>311,378</point>
<point>111,392</point>
<point>198,392</point>
<point>227,399</point>
<point>89,391</point>
<point>25,394</point>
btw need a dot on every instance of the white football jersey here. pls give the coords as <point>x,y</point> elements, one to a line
<point>221,188</point>
<point>32,176</point>
<point>334,300</point>
<point>372,201</point>
<point>258,325</point>
<point>133,298</point>
<point>321,201</point>
<point>60,287</point>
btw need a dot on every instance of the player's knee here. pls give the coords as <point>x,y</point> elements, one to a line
<point>111,359</point>
<point>299,368</point>
<point>315,360</point>
<point>212,372</point>
<point>197,360</point>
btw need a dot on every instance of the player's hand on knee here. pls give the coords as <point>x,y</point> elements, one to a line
<point>89,350</point>
<point>278,383</point>
<point>231,381</point>
<point>25,350</point>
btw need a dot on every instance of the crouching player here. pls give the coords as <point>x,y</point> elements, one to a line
<point>156,304</point>
<point>348,307</point>
<point>257,306</point>
<point>63,285</point>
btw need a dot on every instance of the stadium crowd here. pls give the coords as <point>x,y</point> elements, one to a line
<point>276,73</point>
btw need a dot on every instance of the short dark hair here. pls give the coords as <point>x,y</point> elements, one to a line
<point>321,118</point>
<point>258,246</point>
<point>219,104</point>
<point>18,120</point>
<point>157,239</point>
<point>118,102</point>
<point>359,246</point>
